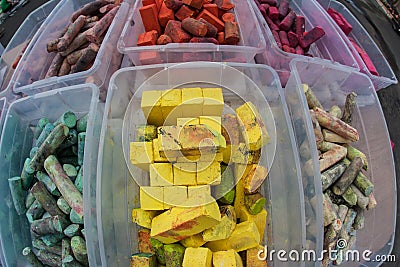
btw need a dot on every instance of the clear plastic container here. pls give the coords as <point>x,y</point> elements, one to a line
<point>3,110</point>
<point>119,195</point>
<point>35,62</point>
<point>331,84</point>
<point>26,33</point>
<point>331,46</point>
<point>17,138</point>
<point>251,42</point>
<point>363,39</point>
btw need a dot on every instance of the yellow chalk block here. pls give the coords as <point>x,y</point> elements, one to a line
<point>168,140</point>
<point>208,173</point>
<point>151,198</point>
<point>228,258</point>
<point>212,122</point>
<point>151,107</point>
<point>193,241</point>
<point>241,154</point>
<point>199,257</point>
<point>170,105</point>
<point>187,121</point>
<point>204,157</point>
<point>141,154</point>
<point>175,196</point>
<point>201,190</point>
<point>156,152</point>
<point>161,174</point>
<point>143,217</point>
<point>213,102</point>
<point>259,219</point>
<point>184,173</point>
<point>192,102</point>
<point>253,256</point>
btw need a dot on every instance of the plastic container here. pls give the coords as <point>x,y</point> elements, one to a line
<point>26,33</point>
<point>17,138</point>
<point>118,196</point>
<point>251,42</point>
<point>3,110</point>
<point>386,75</point>
<point>331,84</point>
<point>331,46</point>
<point>35,62</point>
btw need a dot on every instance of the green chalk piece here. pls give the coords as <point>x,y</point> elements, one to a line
<point>66,249</point>
<point>81,147</point>
<point>82,124</point>
<point>79,180</point>
<point>75,217</point>
<point>49,146</point>
<point>45,198</point>
<point>225,190</point>
<point>69,160</point>
<point>68,118</point>
<point>31,257</point>
<point>52,239</point>
<point>34,212</point>
<point>353,152</point>
<point>49,258</point>
<point>158,247</point>
<point>39,244</point>
<point>71,140</point>
<point>350,196</point>
<point>50,185</point>
<point>70,170</point>
<point>40,126</point>
<point>359,221</point>
<point>174,255</point>
<point>64,184</point>
<point>51,225</point>
<point>365,185</point>
<point>27,174</point>
<point>254,203</point>
<point>63,205</point>
<point>33,151</point>
<point>44,134</point>
<point>72,230</point>
<point>18,194</point>
<point>143,259</point>
<point>78,246</point>
<point>29,200</point>
<point>146,133</point>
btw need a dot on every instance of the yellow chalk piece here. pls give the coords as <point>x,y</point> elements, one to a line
<point>193,241</point>
<point>213,102</point>
<point>187,121</point>
<point>208,173</point>
<point>161,174</point>
<point>199,257</point>
<point>156,152</point>
<point>151,107</point>
<point>141,154</point>
<point>152,198</point>
<point>228,258</point>
<point>259,219</point>
<point>184,173</point>
<point>170,105</point>
<point>220,231</point>
<point>168,140</point>
<point>196,139</point>
<point>227,154</point>
<point>143,260</point>
<point>241,154</point>
<point>143,217</point>
<point>240,171</point>
<point>204,157</point>
<point>179,223</point>
<point>255,133</point>
<point>255,178</point>
<point>192,102</point>
<point>201,190</point>
<point>253,256</point>
<point>175,196</point>
<point>212,122</point>
<point>244,236</point>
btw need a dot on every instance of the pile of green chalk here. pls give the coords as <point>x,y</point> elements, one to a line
<point>49,192</point>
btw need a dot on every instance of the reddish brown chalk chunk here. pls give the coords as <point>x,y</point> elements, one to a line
<point>212,31</point>
<point>205,14</point>
<point>147,38</point>
<point>207,2</point>
<point>273,13</point>
<point>299,25</point>
<point>173,4</point>
<point>149,57</point>
<point>89,9</point>
<point>277,38</point>
<point>265,6</point>
<point>204,40</point>
<point>212,8</point>
<point>293,41</point>
<point>269,2</point>
<point>184,12</point>
<point>71,33</point>
<point>221,38</point>
<point>224,5</point>
<point>299,50</point>
<point>194,26</point>
<point>286,48</point>
<point>159,4</point>
<point>52,45</point>
<point>287,22</point>
<point>228,17</point>
<point>55,66</point>
<point>292,50</point>
<point>271,24</point>
<point>165,15</point>
<point>94,34</point>
<point>232,36</point>
<point>283,8</point>
<point>175,31</point>
<point>284,38</point>
<point>107,8</point>
<point>149,16</point>
<point>65,68</point>
<point>311,36</point>
<point>148,2</point>
<point>164,39</point>
<point>74,56</point>
<point>194,3</point>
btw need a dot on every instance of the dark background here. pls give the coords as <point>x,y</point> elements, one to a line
<point>369,13</point>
